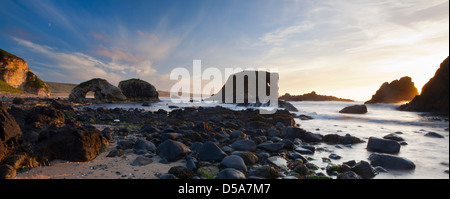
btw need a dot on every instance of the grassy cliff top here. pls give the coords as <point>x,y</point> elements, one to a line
<point>5,54</point>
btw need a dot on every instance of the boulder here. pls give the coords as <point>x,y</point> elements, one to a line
<point>383,145</point>
<point>138,90</point>
<point>230,173</point>
<point>181,172</point>
<point>435,93</point>
<point>433,135</point>
<point>172,150</point>
<point>364,170</point>
<point>265,172</point>
<point>244,145</point>
<point>272,147</point>
<point>234,161</point>
<point>104,92</point>
<point>391,162</point>
<point>208,172</point>
<point>141,161</point>
<point>143,146</point>
<point>355,109</point>
<point>72,143</point>
<point>295,132</point>
<point>338,139</point>
<point>9,131</point>
<point>210,151</point>
<point>348,175</point>
<point>395,92</point>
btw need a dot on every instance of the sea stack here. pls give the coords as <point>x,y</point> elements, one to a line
<point>435,93</point>
<point>395,92</point>
<point>104,92</point>
<point>138,90</point>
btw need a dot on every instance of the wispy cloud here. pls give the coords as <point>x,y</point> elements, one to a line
<point>81,67</point>
<point>280,36</point>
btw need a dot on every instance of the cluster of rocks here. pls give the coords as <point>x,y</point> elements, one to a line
<point>104,92</point>
<point>34,136</point>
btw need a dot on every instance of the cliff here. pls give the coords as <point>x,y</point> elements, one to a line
<point>435,93</point>
<point>395,92</point>
<point>14,71</point>
<point>312,97</point>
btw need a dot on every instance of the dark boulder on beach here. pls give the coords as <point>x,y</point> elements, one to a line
<point>383,145</point>
<point>355,109</point>
<point>395,92</point>
<point>138,90</point>
<point>391,162</point>
<point>435,93</point>
<point>172,150</point>
<point>210,151</point>
<point>338,139</point>
<point>9,131</point>
<point>72,143</point>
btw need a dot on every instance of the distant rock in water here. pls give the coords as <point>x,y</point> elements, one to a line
<point>395,92</point>
<point>312,97</point>
<point>104,92</point>
<point>240,82</point>
<point>356,109</point>
<point>435,93</point>
<point>138,90</point>
<point>14,71</point>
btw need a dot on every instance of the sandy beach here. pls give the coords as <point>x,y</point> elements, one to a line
<point>101,167</point>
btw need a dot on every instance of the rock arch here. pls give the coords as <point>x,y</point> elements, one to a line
<point>104,92</point>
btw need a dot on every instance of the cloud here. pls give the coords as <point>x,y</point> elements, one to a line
<point>280,36</point>
<point>78,67</point>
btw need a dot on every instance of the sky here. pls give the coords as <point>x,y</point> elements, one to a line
<point>345,48</point>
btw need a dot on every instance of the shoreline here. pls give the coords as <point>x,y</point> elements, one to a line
<point>267,146</point>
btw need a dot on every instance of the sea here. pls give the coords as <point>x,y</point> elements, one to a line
<point>429,154</point>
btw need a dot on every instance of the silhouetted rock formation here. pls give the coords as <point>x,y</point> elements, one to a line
<point>249,94</point>
<point>435,93</point>
<point>15,72</point>
<point>312,97</point>
<point>395,92</point>
<point>242,78</point>
<point>138,90</point>
<point>104,92</point>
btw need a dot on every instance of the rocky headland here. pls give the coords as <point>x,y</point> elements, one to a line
<point>435,93</point>
<point>398,91</point>
<point>16,77</point>
<point>313,96</point>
